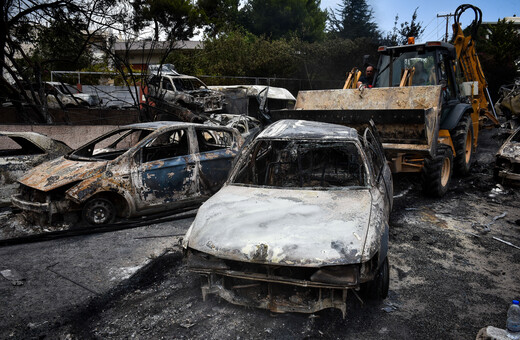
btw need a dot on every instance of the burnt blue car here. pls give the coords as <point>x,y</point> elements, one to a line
<point>134,170</point>
<point>310,204</point>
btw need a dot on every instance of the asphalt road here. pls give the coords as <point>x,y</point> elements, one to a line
<point>57,277</point>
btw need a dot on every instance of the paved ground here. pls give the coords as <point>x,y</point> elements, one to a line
<point>61,276</point>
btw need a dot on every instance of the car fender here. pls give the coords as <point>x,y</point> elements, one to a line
<point>454,116</point>
<point>101,184</point>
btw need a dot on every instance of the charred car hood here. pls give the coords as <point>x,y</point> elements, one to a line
<point>279,226</point>
<point>510,151</point>
<point>203,93</point>
<point>58,172</point>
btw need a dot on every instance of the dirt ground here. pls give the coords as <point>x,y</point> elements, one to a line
<point>450,276</point>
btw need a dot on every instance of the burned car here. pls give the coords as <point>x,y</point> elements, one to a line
<point>187,91</point>
<point>20,152</point>
<point>301,221</point>
<point>507,165</point>
<point>62,95</point>
<point>134,170</point>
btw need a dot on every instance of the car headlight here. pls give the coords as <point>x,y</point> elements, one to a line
<point>200,260</point>
<point>503,163</point>
<point>341,275</point>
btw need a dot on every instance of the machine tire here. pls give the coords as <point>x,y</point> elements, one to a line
<point>99,211</point>
<point>437,172</point>
<point>378,288</point>
<point>462,137</point>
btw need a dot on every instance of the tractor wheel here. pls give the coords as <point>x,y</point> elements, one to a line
<point>462,137</point>
<point>99,211</point>
<point>437,172</point>
<point>378,288</point>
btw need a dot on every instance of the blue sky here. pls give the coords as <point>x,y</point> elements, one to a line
<point>385,11</point>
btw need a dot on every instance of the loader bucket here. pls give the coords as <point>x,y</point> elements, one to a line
<point>407,118</point>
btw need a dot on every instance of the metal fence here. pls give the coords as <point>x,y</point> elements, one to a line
<point>292,84</point>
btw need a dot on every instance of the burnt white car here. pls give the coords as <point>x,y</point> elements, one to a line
<point>62,95</point>
<point>134,170</point>
<point>19,153</point>
<point>301,221</point>
<point>187,91</point>
<point>507,165</point>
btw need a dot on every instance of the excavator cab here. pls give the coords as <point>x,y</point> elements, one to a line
<point>417,65</point>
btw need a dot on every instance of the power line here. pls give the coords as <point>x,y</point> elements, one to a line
<point>433,32</point>
<point>425,27</point>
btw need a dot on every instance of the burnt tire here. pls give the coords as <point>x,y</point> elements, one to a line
<point>437,172</point>
<point>99,211</point>
<point>378,288</point>
<point>462,137</point>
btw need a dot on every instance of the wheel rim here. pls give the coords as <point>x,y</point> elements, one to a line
<point>468,150</point>
<point>100,212</point>
<point>445,175</point>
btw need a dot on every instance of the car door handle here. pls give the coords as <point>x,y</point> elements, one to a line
<point>125,177</point>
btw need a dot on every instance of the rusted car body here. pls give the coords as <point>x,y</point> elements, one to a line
<point>507,165</point>
<point>310,204</point>
<point>135,170</point>
<point>246,99</point>
<point>20,152</point>
<point>186,91</point>
<point>248,126</point>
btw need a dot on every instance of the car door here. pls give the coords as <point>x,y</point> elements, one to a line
<point>382,173</point>
<point>216,152</point>
<point>166,171</point>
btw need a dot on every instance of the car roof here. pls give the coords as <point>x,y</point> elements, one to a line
<point>304,129</point>
<point>166,124</point>
<point>184,76</point>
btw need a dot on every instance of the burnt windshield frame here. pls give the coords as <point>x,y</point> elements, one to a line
<point>86,152</point>
<point>294,164</point>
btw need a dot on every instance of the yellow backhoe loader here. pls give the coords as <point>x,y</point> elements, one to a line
<point>428,102</point>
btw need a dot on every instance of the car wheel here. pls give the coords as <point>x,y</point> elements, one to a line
<point>437,171</point>
<point>99,211</point>
<point>378,288</point>
<point>463,142</point>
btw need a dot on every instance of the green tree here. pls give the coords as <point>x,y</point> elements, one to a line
<point>61,45</point>
<point>498,47</point>
<point>353,19</point>
<point>412,29</point>
<point>219,15</point>
<point>285,18</point>
<point>28,24</point>
<point>239,53</point>
<point>178,19</point>
<point>391,37</point>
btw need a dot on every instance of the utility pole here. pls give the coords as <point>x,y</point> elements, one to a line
<point>447,16</point>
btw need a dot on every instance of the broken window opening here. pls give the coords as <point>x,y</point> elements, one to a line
<point>210,140</point>
<point>109,147</point>
<point>167,145</point>
<point>302,164</point>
